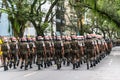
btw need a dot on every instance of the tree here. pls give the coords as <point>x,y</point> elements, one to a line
<point>21,11</point>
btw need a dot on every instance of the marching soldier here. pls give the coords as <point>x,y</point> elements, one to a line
<point>59,51</point>
<point>5,49</point>
<point>48,47</point>
<point>31,51</point>
<point>67,50</point>
<point>89,51</point>
<point>75,51</point>
<point>13,52</point>
<point>40,51</point>
<point>81,49</point>
<point>24,52</point>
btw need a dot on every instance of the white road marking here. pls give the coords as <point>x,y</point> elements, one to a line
<point>29,74</point>
<point>110,61</point>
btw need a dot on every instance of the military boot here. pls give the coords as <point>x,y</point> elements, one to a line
<point>78,64</point>
<point>17,62</point>
<point>26,67</point>
<point>39,67</point>
<point>10,65</point>
<point>21,65</point>
<point>45,65</point>
<point>68,63</point>
<point>14,66</point>
<point>31,66</point>
<point>5,68</point>
<point>74,65</point>
<point>58,66</point>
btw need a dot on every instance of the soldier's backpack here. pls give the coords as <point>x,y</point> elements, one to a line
<point>4,47</point>
<point>23,48</point>
<point>13,47</point>
<point>57,45</point>
<point>39,46</point>
<point>88,44</point>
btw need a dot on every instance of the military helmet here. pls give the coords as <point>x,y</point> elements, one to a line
<point>39,38</point>
<point>46,38</point>
<point>88,36</point>
<point>58,38</point>
<point>34,39</point>
<point>74,37</point>
<point>63,37</point>
<point>29,39</point>
<point>23,39</point>
<point>13,39</point>
<point>5,39</point>
<point>80,37</point>
<point>68,38</point>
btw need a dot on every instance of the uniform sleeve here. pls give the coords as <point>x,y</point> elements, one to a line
<point>16,46</point>
<point>8,46</point>
<point>33,44</point>
<point>61,43</point>
<point>50,44</point>
<point>43,44</point>
<point>93,42</point>
<point>28,45</point>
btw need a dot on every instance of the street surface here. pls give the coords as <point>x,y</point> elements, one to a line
<point>108,69</point>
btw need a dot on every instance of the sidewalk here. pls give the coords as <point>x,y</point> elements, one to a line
<point>0,64</point>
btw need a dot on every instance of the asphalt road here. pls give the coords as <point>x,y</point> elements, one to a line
<point>108,69</point>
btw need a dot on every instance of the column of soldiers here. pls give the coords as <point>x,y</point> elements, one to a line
<point>57,50</point>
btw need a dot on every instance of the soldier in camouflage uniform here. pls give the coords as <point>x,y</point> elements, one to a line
<point>48,46</point>
<point>89,51</point>
<point>109,44</point>
<point>24,53</point>
<point>67,50</point>
<point>52,48</point>
<point>75,51</point>
<point>40,51</point>
<point>5,48</point>
<point>81,49</point>
<point>13,52</point>
<point>31,51</point>
<point>59,51</point>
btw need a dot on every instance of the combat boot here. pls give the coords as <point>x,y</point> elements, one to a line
<point>21,65</point>
<point>10,65</point>
<point>31,66</point>
<point>38,66</point>
<point>78,64</point>
<point>26,67</point>
<point>74,65</point>
<point>68,63</point>
<point>5,68</point>
<point>17,62</point>
<point>45,65</point>
<point>58,66</point>
<point>14,66</point>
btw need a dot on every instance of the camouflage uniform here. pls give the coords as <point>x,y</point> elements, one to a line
<point>58,52</point>
<point>89,51</point>
<point>24,52</point>
<point>48,47</point>
<point>67,50</point>
<point>13,53</point>
<point>40,52</point>
<point>5,48</point>
<point>81,51</point>
<point>75,53</point>
<point>31,51</point>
